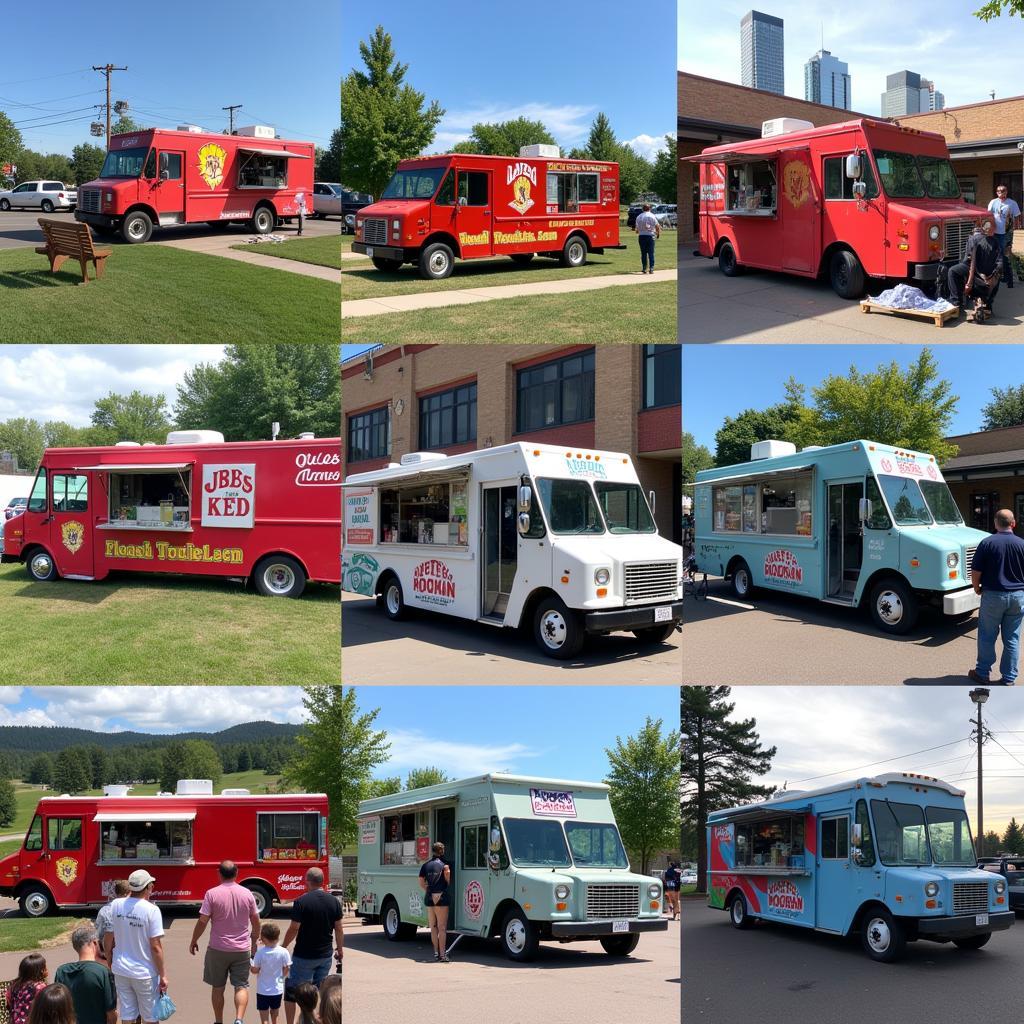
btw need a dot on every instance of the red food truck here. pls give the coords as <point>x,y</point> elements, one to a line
<point>860,199</point>
<point>437,208</point>
<point>265,510</point>
<point>77,846</point>
<point>158,178</point>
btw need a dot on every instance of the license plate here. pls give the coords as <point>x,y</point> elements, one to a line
<point>980,919</point>
<point>663,614</point>
<point>369,252</point>
<point>622,926</point>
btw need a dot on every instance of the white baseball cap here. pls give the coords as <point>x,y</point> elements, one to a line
<point>138,880</point>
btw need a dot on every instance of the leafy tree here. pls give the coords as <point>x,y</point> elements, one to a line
<point>994,8</point>
<point>601,143</point>
<point>124,125</point>
<point>644,781</point>
<point>782,422</point>
<point>634,174</point>
<point>87,162</point>
<point>418,778</point>
<point>666,168</point>
<point>10,142</point>
<point>328,161</point>
<point>719,757</point>
<point>149,767</point>
<point>244,760</point>
<point>1013,838</point>
<point>40,770</point>
<point>382,787</point>
<point>71,772</point>
<point>52,166</point>
<point>505,138</point>
<point>383,119</point>
<point>1006,408</point>
<point>134,417</point>
<point>8,801</point>
<point>336,753</point>
<point>99,767</point>
<point>25,438</point>
<point>992,845</point>
<point>695,458</point>
<point>58,434</point>
<point>188,759</point>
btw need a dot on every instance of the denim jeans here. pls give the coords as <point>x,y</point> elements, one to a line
<point>1000,611</point>
<point>646,251</point>
<point>306,970</point>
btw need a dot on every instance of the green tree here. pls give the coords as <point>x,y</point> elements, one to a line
<point>328,161</point>
<point>99,766</point>
<point>10,143</point>
<point>634,174</point>
<point>124,125</point>
<point>601,142</point>
<point>719,757</point>
<point>8,800</point>
<point>383,119</point>
<point>336,753</point>
<point>58,434</point>
<point>419,778</point>
<point>71,771</point>
<point>382,787</point>
<point>87,162</point>
<point>1006,408</point>
<point>994,8</point>
<point>695,458</point>
<point>244,760</point>
<point>25,438</point>
<point>505,138</point>
<point>148,767</point>
<point>188,759</point>
<point>992,846</point>
<point>134,417</point>
<point>666,169</point>
<point>644,780</point>
<point>783,422</point>
<point>1013,838</point>
<point>40,770</point>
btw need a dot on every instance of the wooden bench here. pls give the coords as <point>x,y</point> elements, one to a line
<point>71,240</point>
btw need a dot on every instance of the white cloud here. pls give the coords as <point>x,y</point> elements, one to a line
<point>568,123</point>
<point>10,694</point>
<point>415,749</point>
<point>647,146</point>
<point>30,716</point>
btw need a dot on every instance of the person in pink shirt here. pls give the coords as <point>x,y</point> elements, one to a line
<point>230,911</point>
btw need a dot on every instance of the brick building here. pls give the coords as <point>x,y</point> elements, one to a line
<point>987,475</point>
<point>458,398</point>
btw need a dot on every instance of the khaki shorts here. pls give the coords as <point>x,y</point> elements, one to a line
<point>221,964</point>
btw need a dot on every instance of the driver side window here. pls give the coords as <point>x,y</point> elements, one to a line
<point>446,193</point>
<point>37,501</point>
<point>879,518</point>
<point>150,171</point>
<point>34,838</point>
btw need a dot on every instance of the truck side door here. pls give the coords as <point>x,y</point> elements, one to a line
<point>800,212</point>
<point>71,525</point>
<point>163,184</point>
<point>473,217</point>
<point>834,875</point>
<point>65,859</point>
<point>471,897</point>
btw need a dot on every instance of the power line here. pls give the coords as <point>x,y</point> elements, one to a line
<point>46,78</point>
<point>39,127</point>
<point>107,70</point>
<point>55,99</point>
<point>57,113</point>
<point>847,771</point>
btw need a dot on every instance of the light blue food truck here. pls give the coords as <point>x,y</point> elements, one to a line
<point>859,524</point>
<point>889,858</point>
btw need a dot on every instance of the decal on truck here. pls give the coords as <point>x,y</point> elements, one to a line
<point>433,583</point>
<point>212,161</point>
<point>72,534</point>
<point>522,177</point>
<point>784,898</point>
<point>229,495</point>
<point>368,832</point>
<point>781,566</point>
<point>586,467</point>
<point>164,551</point>
<point>473,900</point>
<point>796,182</point>
<point>553,802</point>
<point>311,469</point>
<point>359,574</point>
<point>66,869</point>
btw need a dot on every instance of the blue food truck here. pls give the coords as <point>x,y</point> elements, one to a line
<point>889,858</point>
<point>856,524</point>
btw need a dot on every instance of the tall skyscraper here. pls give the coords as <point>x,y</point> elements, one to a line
<point>761,52</point>
<point>931,98</point>
<point>909,93</point>
<point>827,80</point>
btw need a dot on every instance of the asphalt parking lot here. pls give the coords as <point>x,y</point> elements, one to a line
<point>772,972</point>
<point>566,984</point>
<point>764,307</point>
<point>783,639</point>
<point>438,649</point>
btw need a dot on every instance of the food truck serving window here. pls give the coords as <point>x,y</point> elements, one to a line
<point>569,506</point>
<point>533,843</point>
<point>154,839</point>
<point>262,170</point>
<point>776,842</point>
<point>37,500</point>
<point>751,187</point>
<point>151,500</point>
<point>595,845</point>
<point>780,505</point>
<point>425,514</point>
<point>401,831</point>
<point>289,836</point>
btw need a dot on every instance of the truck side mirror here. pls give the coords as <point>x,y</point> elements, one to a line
<point>860,189</point>
<point>525,498</point>
<point>651,502</point>
<point>854,168</point>
<point>523,523</point>
<point>864,510</point>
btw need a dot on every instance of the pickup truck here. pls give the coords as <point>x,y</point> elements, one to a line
<point>1012,869</point>
<point>40,195</point>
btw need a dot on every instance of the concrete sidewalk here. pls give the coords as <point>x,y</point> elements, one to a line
<point>463,296</point>
<point>221,245</point>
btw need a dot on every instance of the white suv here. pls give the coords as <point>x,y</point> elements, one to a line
<point>40,195</point>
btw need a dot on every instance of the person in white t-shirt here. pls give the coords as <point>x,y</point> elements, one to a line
<point>1007,215</point>
<point>135,951</point>
<point>271,965</point>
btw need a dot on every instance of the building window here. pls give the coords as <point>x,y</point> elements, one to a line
<point>369,435</point>
<point>448,417</point>
<point>663,379</point>
<point>556,393</point>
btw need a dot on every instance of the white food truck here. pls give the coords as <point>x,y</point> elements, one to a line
<point>561,539</point>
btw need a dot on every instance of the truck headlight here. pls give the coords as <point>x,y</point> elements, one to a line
<point>931,889</point>
<point>933,232</point>
<point>396,225</point>
<point>562,891</point>
<point>602,576</point>
<point>952,560</point>
<point>654,891</point>
<point>1000,887</point>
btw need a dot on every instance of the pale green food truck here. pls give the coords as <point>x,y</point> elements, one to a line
<point>531,860</point>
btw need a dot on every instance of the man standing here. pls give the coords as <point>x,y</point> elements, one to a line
<point>997,573</point>
<point>90,983</point>
<point>1007,215</point>
<point>647,229</point>
<point>105,918</point>
<point>230,910</point>
<point>316,921</point>
<point>135,949</point>
<point>977,274</point>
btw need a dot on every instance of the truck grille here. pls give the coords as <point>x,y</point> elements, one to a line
<point>969,559</point>
<point>612,901</point>
<point>375,231</point>
<point>970,897</point>
<point>652,581</point>
<point>957,233</point>
<point>89,200</point>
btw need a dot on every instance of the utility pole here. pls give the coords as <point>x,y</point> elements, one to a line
<point>106,70</point>
<point>979,696</point>
<point>231,116</point>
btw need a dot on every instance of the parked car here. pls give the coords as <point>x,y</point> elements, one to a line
<point>1012,869</point>
<point>666,214</point>
<point>688,877</point>
<point>14,506</point>
<point>40,195</point>
<point>332,199</point>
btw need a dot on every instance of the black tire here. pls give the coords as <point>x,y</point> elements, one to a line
<point>557,630</point>
<point>619,945</point>
<point>46,206</point>
<point>279,576</point>
<point>437,261</point>
<point>263,220</point>
<point>395,929</point>
<point>739,916</point>
<point>35,901</point>
<point>519,937</point>
<point>393,600</point>
<point>882,936</point>
<point>727,262</point>
<point>5,204</point>
<point>741,581</point>
<point>846,275</point>
<point>384,264</point>
<point>137,227</point>
<point>973,941</point>
<point>655,634</point>
<point>893,606</point>
<point>262,895</point>
<point>522,258</point>
<point>574,252</point>
<point>41,566</point>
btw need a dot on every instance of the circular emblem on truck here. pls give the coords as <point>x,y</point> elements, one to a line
<point>473,900</point>
<point>796,182</point>
<point>211,164</point>
<point>521,201</point>
<point>72,533</point>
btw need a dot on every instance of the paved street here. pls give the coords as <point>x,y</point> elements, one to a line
<point>21,227</point>
<point>777,973</point>
<point>783,639</point>
<point>762,307</point>
<point>436,649</point>
<point>566,984</point>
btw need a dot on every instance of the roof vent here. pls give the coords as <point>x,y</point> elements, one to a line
<point>195,437</point>
<point>194,787</point>
<point>812,448</point>
<point>783,126</point>
<point>115,790</point>
<point>235,792</point>
<point>127,444</point>
<point>771,449</point>
<point>306,435</point>
<point>417,458</point>
<point>194,129</point>
<point>541,150</point>
<point>257,131</point>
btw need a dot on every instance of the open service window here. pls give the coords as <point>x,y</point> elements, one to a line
<point>289,835</point>
<point>776,842</point>
<point>262,170</point>
<point>131,838</point>
<point>567,189</point>
<point>421,513</point>
<point>401,832</point>
<point>151,499</point>
<point>752,188</point>
<point>778,505</point>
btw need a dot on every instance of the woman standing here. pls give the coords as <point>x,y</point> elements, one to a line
<point>672,879</point>
<point>53,1005</point>
<point>435,878</point>
<point>31,980</point>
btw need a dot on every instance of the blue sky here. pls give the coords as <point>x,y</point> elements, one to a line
<point>940,40</point>
<point>723,380</point>
<point>558,731</point>
<point>185,61</point>
<point>497,61</point>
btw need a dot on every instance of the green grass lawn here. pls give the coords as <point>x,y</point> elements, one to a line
<point>323,250</point>
<point>170,630</point>
<point>23,934</point>
<point>154,293</point>
<point>8,846</point>
<point>363,281</point>
<point>646,313</point>
<point>685,889</point>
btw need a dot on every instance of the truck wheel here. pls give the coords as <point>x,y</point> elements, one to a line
<point>46,206</point>
<point>395,929</point>
<point>741,580</point>
<point>557,630</point>
<point>882,936</point>
<point>263,220</point>
<point>262,895</point>
<point>655,634</point>
<point>437,262</point>
<point>738,913</point>
<point>279,576</point>
<point>137,227</point>
<point>894,607</point>
<point>5,204</point>
<point>619,945</point>
<point>847,275</point>
<point>727,263</point>
<point>574,252</point>
<point>522,258</point>
<point>394,600</point>
<point>973,941</point>
<point>41,566</point>
<point>384,264</point>
<point>35,901</point>
<point>519,937</point>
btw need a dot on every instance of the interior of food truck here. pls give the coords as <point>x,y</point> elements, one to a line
<point>773,842</point>
<point>778,504</point>
<point>752,188</point>
<point>425,513</point>
<point>157,499</point>
<point>165,837</point>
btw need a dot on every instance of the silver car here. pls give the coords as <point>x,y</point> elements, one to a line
<point>40,195</point>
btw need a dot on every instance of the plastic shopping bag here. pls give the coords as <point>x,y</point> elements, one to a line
<point>164,1007</point>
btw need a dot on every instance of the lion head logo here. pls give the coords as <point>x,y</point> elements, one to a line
<point>212,160</point>
<point>796,182</point>
<point>67,869</point>
<point>72,533</point>
<point>521,200</point>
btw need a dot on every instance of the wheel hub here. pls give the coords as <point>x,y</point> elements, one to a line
<point>392,920</point>
<point>878,935</point>
<point>41,565</point>
<point>392,599</point>
<point>553,629</point>
<point>438,263</point>
<point>515,935</point>
<point>279,578</point>
<point>576,252</point>
<point>890,607</point>
<point>37,904</point>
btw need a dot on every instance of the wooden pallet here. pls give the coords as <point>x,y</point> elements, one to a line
<point>867,306</point>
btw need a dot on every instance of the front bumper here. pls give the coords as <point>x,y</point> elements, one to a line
<point>585,929</point>
<point>97,220</point>
<point>9,559</point>
<point>945,928</point>
<point>385,252</point>
<point>927,271</point>
<point>640,617</point>
<point>960,601</point>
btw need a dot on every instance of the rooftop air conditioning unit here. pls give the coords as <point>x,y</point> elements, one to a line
<point>127,444</point>
<point>193,129</point>
<point>306,435</point>
<point>418,458</point>
<point>195,437</point>
<point>235,792</point>
<point>257,131</point>
<point>115,790</point>
<point>194,787</point>
<point>783,126</point>
<point>541,151</point>
<point>771,449</point>
<point>812,448</point>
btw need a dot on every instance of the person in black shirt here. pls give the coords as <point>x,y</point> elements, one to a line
<point>977,274</point>
<point>316,926</point>
<point>671,879</point>
<point>435,878</point>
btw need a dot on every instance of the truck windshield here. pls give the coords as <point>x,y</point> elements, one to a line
<point>624,507</point>
<point>939,177</point>
<point>536,844</point>
<point>906,176</point>
<point>905,500</point>
<point>124,163</point>
<point>595,845</point>
<point>950,836</point>
<point>569,506</point>
<point>940,502</point>
<point>416,183</point>
<point>900,833</point>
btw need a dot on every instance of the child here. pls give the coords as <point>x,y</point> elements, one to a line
<point>306,998</point>
<point>271,965</point>
<point>31,980</point>
<point>53,1005</point>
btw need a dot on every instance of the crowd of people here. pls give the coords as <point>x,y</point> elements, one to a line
<point>121,971</point>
